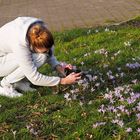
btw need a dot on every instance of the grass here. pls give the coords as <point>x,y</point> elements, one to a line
<point>43,115</point>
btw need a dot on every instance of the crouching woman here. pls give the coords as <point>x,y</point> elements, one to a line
<point>25,45</point>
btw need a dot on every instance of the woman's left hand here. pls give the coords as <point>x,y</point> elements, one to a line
<point>61,69</point>
<point>69,66</point>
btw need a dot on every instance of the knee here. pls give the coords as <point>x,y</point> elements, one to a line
<point>39,59</point>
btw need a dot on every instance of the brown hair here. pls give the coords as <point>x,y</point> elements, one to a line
<point>40,37</point>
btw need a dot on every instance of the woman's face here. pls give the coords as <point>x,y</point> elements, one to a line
<point>41,50</point>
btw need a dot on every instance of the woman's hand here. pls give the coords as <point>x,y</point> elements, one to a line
<point>61,69</point>
<point>69,66</point>
<point>70,79</point>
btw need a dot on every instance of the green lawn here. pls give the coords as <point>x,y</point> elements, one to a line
<point>105,106</point>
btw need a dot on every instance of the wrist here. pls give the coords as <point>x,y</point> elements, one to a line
<point>62,81</point>
<point>60,70</point>
<point>58,65</point>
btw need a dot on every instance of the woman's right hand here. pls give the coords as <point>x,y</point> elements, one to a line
<point>71,78</point>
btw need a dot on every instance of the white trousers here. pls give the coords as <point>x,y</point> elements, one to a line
<point>9,68</point>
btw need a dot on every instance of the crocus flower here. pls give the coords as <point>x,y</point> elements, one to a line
<point>111,77</point>
<point>82,63</point>
<point>97,84</point>
<point>119,69</point>
<point>89,31</point>
<point>105,66</point>
<point>122,74</point>
<point>95,125</point>
<point>74,97</point>
<point>106,30</point>
<point>112,101</point>
<point>115,121</point>
<point>90,102</point>
<point>98,124</point>
<point>127,44</point>
<point>138,116</point>
<point>138,130</point>
<point>120,123</point>
<point>32,131</point>
<point>134,81</point>
<point>121,108</point>
<point>92,89</point>
<point>118,114</point>
<point>94,78</point>
<point>89,77</point>
<point>81,103</point>
<point>102,109</point>
<point>117,53</point>
<point>121,99</point>
<point>96,31</point>
<point>138,106</point>
<point>129,129</point>
<point>108,96</point>
<point>66,96</point>
<point>133,65</point>
<point>80,82</point>
<point>101,51</point>
<point>127,112</point>
<point>130,100</point>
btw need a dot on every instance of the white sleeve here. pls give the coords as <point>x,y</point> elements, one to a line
<point>24,59</point>
<point>52,59</point>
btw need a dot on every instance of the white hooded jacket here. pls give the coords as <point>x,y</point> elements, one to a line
<point>13,40</point>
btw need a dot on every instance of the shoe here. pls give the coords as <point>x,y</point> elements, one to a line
<point>9,91</point>
<point>23,86</point>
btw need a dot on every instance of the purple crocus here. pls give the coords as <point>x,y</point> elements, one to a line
<point>129,129</point>
<point>138,106</point>
<point>138,116</point>
<point>120,123</point>
<point>138,130</point>
<point>102,109</point>
<point>98,124</point>
<point>121,108</point>
<point>130,100</point>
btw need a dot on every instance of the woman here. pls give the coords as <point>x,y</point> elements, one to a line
<point>25,45</point>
